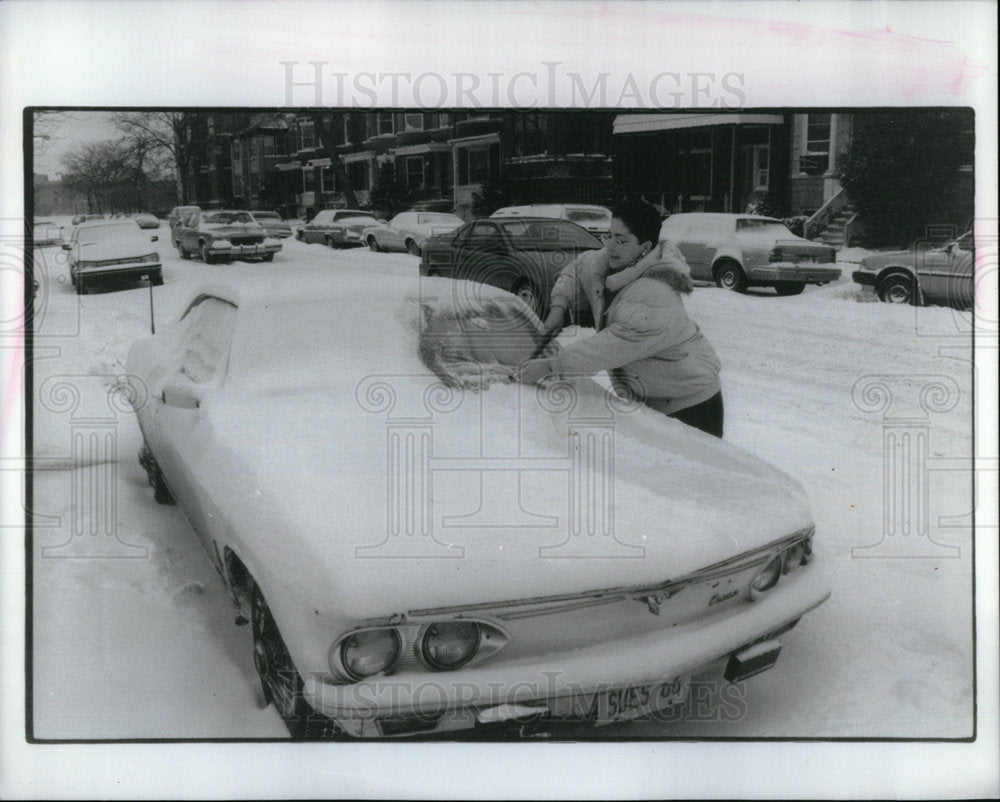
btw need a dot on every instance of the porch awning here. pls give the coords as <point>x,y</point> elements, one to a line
<point>320,162</point>
<point>285,166</point>
<point>640,123</point>
<point>427,147</point>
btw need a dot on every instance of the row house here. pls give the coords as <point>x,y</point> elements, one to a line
<point>209,178</point>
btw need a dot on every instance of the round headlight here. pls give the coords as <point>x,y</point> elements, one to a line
<point>450,644</point>
<point>767,578</point>
<point>370,651</point>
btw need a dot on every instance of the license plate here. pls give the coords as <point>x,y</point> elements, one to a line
<point>636,701</point>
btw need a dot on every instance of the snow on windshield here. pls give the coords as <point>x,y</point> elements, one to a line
<point>226,218</point>
<point>109,232</point>
<point>473,342</point>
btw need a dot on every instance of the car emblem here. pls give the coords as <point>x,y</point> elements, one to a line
<point>654,600</point>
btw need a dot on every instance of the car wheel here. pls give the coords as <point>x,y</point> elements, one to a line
<point>157,278</point>
<point>279,678</point>
<point>161,493</point>
<point>412,248</point>
<point>526,291</point>
<point>789,287</point>
<point>267,257</point>
<point>729,276</point>
<point>206,257</point>
<point>373,245</point>
<point>897,288</point>
<point>184,252</point>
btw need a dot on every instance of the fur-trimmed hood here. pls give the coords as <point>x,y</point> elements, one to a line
<point>665,262</point>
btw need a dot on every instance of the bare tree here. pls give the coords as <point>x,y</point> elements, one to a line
<point>326,122</point>
<point>161,133</point>
<point>100,170</point>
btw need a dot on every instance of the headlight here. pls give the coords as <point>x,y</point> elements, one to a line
<point>450,644</point>
<point>221,243</point>
<point>767,578</point>
<point>369,651</point>
<point>150,257</point>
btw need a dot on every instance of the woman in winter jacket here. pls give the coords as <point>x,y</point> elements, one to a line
<point>652,350</point>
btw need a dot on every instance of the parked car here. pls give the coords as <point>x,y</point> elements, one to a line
<point>596,219</point>
<point>382,599</point>
<point>272,223</point>
<point>407,231</point>
<point>83,218</point>
<point>46,233</point>
<point>223,235</point>
<point>522,255</point>
<point>147,221</point>
<point>737,251</point>
<point>111,251</point>
<point>923,275</point>
<point>177,214</point>
<point>337,228</point>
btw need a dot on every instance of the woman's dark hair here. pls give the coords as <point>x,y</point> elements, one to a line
<point>641,219</point>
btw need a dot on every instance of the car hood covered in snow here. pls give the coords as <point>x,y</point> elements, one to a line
<point>481,495</point>
<point>121,248</point>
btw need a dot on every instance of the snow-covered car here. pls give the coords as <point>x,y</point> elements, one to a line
<point>178,213</point>
<point>337,228</point>
<point>922,275</point>
<point>272,223</point>
<point>422,544</point>
<point>223,235</point>
<point>737,251</point>
<point>83,218</point>
<point>46,233</point>
<point>407,231</point>
<point>596,219</point>
<point>111,251</point>
<point>523,255</point>
<point>147,220</point>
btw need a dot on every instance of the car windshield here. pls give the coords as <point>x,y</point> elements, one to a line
<point>227,218</point>
<point>548,235</point>
<point>267,216</point>
<point>762,225</point>
<point>346,215</point>
<point>588,215</point>
<point>359,220</point>
<point>438,218</point>
<point>111,231</point>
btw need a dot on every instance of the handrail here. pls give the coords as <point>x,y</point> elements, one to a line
<point>847,229</point>
<point>822,216</point>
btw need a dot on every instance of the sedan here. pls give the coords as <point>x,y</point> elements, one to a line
<point>922,275</point>
<point>147,221</point>
<point>45,234</point>
<point>223,235</point>
<point>272,223</point>
<point>111,251</point>
<point>338,228</point>
<point>596,219</point>
<point>738,251</point>
<point>523,255</point>
<point>408,231</point>
<point>421,544</point>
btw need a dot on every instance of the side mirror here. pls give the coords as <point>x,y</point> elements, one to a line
<point>67,247</point>
<point>180,396</point>
<point>154,238</point>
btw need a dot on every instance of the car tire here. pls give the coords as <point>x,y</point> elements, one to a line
<point>897,288</point>
<point>267,257</point>
<point>730,276</point>
<point>184,252</point>
<point>412,248</point>
<point>373,245</point>
<point>161,493</point>
<point>789,287</point>
<point>157,278</point>
<point>206,257</point>
<point>279,679</point>
<point>528,293</point>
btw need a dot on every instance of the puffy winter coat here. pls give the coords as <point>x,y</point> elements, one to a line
<point>645,340</point>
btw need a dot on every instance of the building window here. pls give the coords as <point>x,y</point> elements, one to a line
<point>432,121</point>
<point>529,134</point>
<point>413,122</point>
<point>359,175</point>
<point>308,179</point>
<point>383,123</point>
<point>477,165</point>
<point>414,172</point>
<point>816,159</point>
<point>237,185</point>
<point>235,150</point>
<point>269,149</point>
<point>307,135</point>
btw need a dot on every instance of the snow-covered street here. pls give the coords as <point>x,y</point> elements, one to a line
<point>133,634</point>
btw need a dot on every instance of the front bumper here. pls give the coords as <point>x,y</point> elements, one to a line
<point>131,270</point>
<point>863,277</point>
<point>233,251</point>
<point>565,683</point>
<point>808,272</point>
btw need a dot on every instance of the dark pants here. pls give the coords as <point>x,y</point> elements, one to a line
<point>706,416</point>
